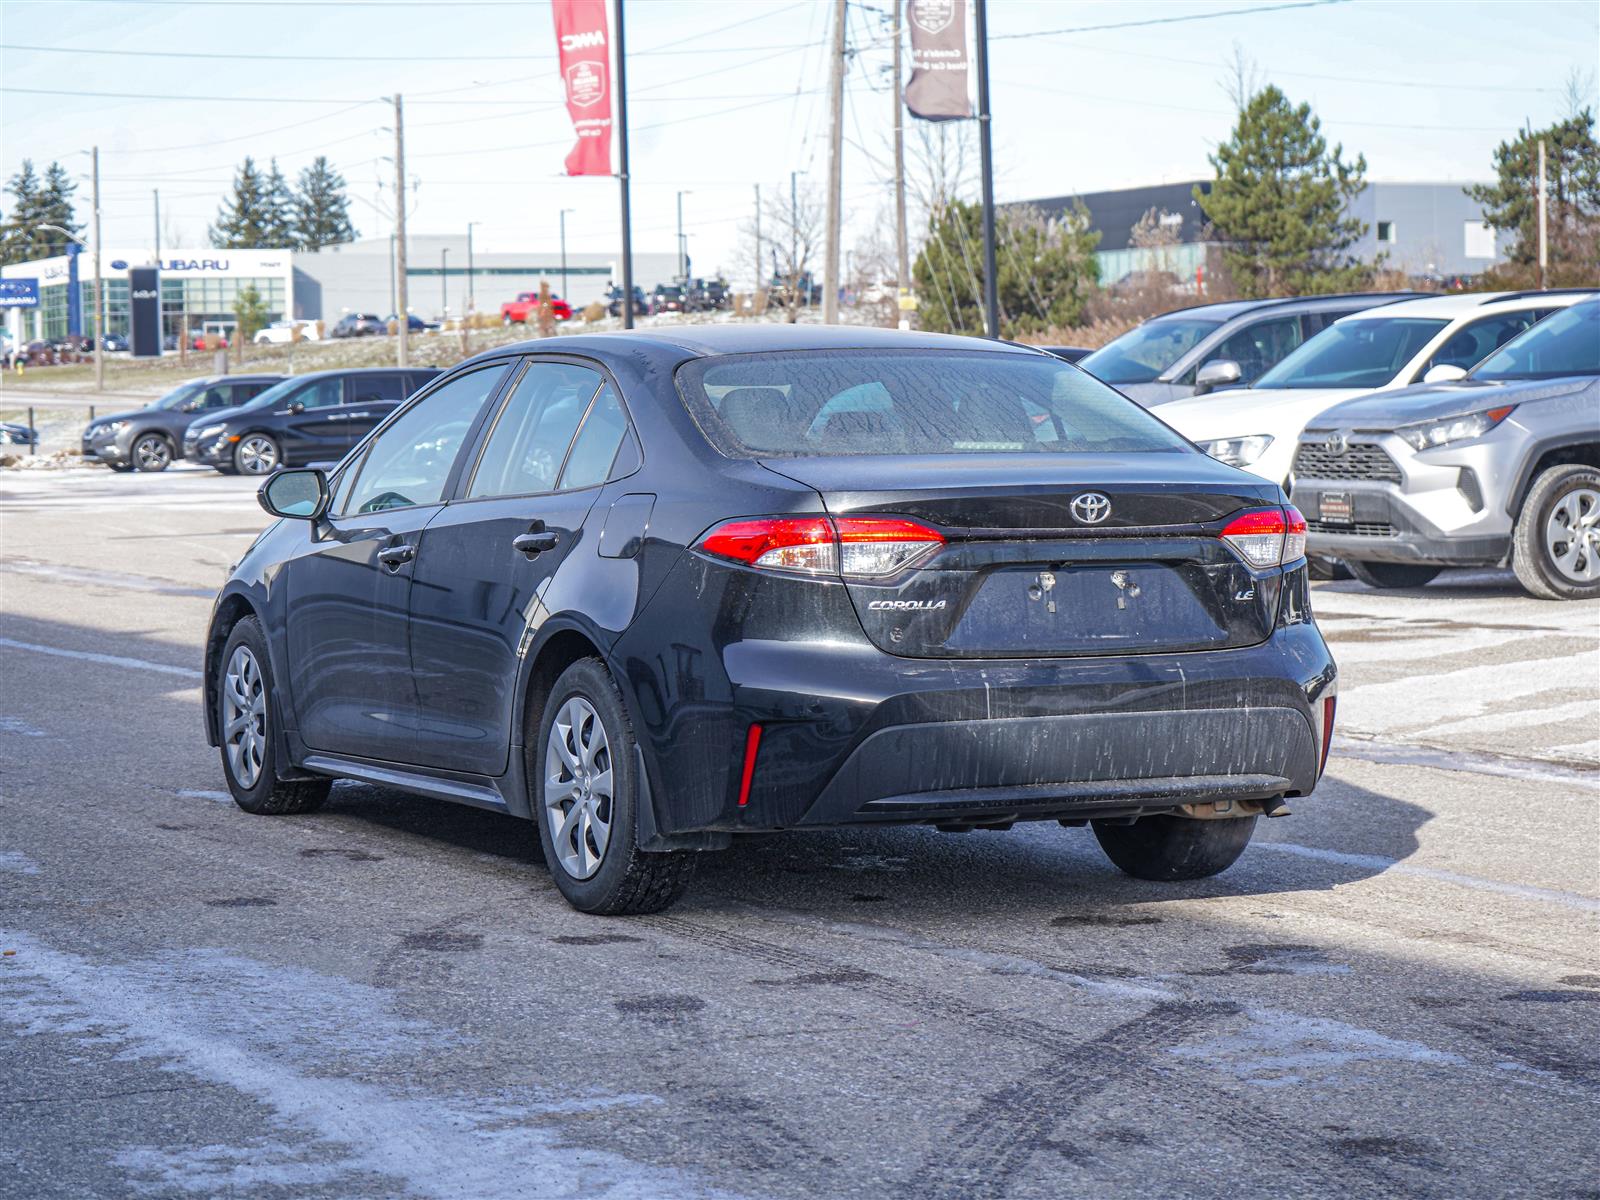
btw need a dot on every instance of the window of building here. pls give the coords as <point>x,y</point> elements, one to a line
<point>1386,231</point>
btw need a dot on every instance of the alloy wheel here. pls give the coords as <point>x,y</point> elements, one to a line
<point>578,788</point>
<point>1572,535</point>
<point>152,453</point>
<point>257,455</point>
<point>244,717</point>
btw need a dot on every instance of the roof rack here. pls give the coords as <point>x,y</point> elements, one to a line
<point>1528,295</point>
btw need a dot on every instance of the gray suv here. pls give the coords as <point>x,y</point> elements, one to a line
<point>1195,351</point>
<point>150,438</point>
<point>1500,467</point>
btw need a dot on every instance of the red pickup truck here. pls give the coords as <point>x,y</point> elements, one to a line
<point>525,308</point>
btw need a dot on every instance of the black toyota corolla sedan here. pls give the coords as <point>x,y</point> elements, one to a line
<point>651,590</point>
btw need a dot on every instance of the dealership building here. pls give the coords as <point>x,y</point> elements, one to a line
<point>200,288</point>
<point>1423,229</point>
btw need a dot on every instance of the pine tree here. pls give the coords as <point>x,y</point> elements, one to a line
<point>1280,202</point>
<point>1572,170</point>
<point>1045,270</point>
<point>280,210</point>
<point>250,219</point>
<point>321,208</point>
<point>37,202</point>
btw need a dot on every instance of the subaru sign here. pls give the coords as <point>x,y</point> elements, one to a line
<point>19,293</point>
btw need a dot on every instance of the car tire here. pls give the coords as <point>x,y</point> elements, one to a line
<point>257,454</point>
<point>594,856</point>
<point>1172,848</point>
<point>151,452</point>
<point>1326,569</point>
<point>1392,575</point>
<point>245,714</point>
<point>1555,548</point>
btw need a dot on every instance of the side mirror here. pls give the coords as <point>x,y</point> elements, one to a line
<point>1219,372</point>
<point>297,407</point>
<point>301,494</point>
<point>1444,373</point>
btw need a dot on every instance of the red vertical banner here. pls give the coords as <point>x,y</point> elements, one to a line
<point>583,44</point>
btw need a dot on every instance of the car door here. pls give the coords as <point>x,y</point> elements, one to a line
<point>487,559</point>
<point>369,398</point>
<point>348,593</point>
<point>309,427</point>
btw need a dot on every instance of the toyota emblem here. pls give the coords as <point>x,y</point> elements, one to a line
<point>1091,508</point>
<point>1337,442</point>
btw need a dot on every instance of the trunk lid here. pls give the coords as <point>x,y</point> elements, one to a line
<point>1022,575</point>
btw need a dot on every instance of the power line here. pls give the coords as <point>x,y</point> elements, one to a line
<point>1206,16</point>
<point>230,99</point>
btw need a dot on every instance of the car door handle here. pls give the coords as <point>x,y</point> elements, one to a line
<point>395,557</point>
<point>533,544</point>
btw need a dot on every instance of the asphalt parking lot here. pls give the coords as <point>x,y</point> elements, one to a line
<point>1395,992</point>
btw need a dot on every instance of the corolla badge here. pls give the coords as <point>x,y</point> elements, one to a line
<point>1091,508</point>
<point>906,605</point>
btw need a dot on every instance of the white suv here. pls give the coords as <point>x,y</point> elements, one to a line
<point>1381,349</point>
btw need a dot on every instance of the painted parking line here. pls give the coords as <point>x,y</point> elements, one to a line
<point>1376,862</point>
<point>109,660</point>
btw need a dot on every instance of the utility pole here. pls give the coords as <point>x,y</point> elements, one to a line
<point>758,237</point>
<point>830,260</point>
<point>564,294</point>
<point>794,236</point>
<point>158,226</point>
<point>683,270</point>
<point>444,283</point>
<point>99,291</point>
<point>472,291</point>
<point>402,310</point>
<point>902,260</point>
<point>622,171</point>
<point>1544,254</point>
<point>991,291</point>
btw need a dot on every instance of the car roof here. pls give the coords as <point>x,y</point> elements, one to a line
<point>1227,310</point>
<point>706,340</point>
<point>1461,304</point>
<point>359,371</point>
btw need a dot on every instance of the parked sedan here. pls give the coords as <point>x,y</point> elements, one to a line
<point>151,438</point>
<point>304,419</point>
<point>657,590</point>
<point>12,434</point>
<point>359,325</point>
<point>1210,347</point>
<point>1498,468</point>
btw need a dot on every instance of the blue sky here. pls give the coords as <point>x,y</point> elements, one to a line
<point>725,94</point>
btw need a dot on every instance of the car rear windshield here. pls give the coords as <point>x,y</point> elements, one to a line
<point>1567,343</point>
<point>1141,354</point>
<point>810,403</point>
<point>1366,352</point>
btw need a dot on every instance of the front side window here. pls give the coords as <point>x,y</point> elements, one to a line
<point>800,404</point>
<point>409,461</point>
<point>1141,354</point>
<point>1473,343</point>
<point>530,437</point>
<point>320,393</point>
<point>1258,348</point>
<point>1565,344</point>
<point>1367,352</point>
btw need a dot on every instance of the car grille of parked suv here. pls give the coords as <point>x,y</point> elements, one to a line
<point>1361,461</point>
<point>1374,529</point>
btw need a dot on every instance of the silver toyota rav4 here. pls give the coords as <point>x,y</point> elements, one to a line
<point>1499,467</point>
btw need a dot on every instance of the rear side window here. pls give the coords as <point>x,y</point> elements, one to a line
<point>321,393</point>
<point>531,435</point>
<point>1258,348</point>
<point>377,389</point>
<point>595,448</point>
<point>800,404</point>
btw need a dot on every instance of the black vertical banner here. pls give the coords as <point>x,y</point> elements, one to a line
<point>144,312</point>
<point>938,87</point>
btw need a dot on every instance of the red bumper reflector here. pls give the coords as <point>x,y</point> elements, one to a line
<point>752,743</point>
<point>1329,704</point>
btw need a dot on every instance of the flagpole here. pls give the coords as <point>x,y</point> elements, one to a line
<point>991,292</point>
<point>622,172</point>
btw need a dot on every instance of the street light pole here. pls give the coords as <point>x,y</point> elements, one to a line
<point>444,280</point>
<point>794,233</point>
<point>564,294</point>
<point>99,292</point>
<point>472,291</point>
<point>683,247</point>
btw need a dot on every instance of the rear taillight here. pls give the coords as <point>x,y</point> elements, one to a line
<point>855,547</point>
<point>1268,537</point>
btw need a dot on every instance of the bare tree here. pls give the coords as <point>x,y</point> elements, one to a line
<point>941,165</point>
<point>1241,77</point>
<point>791,240</point>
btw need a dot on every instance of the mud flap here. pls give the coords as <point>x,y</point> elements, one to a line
<point>648,832</point>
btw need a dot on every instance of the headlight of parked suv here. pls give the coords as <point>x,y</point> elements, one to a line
<point>1238,451</point>
<point>107,427</point>
<point>1425,435</point>
<point>209,431</point>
